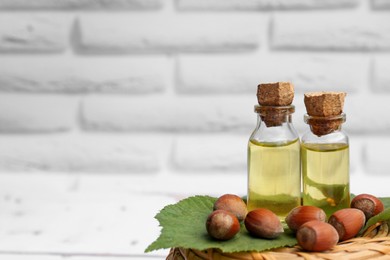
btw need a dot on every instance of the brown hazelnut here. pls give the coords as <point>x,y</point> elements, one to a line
<point>233,204</point>
<point>369,204</point>
<point>317,236</point>
<point>263,223</point>
<point>222,225</point>
<point>347,222</point>
<point>302,214</point>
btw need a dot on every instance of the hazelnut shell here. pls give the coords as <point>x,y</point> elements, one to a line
<point>369,204</point>
<point>263,223</point>
<point>347,222</point>
<point>302,214</point>
<point>222,225</point>
<point>233,204</point>
<point>317,236</point>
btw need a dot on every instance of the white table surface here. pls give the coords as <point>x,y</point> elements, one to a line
<point>105,216</point>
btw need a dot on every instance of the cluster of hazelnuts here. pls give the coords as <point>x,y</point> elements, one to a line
<point>309,223</point>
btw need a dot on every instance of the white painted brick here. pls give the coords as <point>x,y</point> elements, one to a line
<point>80,4</point>
<point>21,113</point>
<point>72,153</point>
<point>367,114</point>
<point>159,113</point>
<point>38,33</point>
<point>227,153</point>
<point>380,4</point>
<point>381,75</point>
<point>356,146</point>
<point>70,74</point>
<point>376,156</point>
<point>336,31</point>
<point>160,33</point>
<point>242,73</point>
<point>297,117</point>
<point>250,5</point>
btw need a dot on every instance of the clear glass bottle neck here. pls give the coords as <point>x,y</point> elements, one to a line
<point>325,130</point>
<point>274,125</point>
<point>324,125</point>
<point>283,121</point>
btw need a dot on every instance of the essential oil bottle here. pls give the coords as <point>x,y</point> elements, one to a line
<point>325,153</point>
<point>274,180</point>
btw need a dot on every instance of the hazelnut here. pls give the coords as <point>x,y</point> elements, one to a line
<point>222,225</point>
<point>369,204</point>
<point>263,223</point>
<point>302,214</point>
<point>347,222</point>
<point>233,204</point>
<point>317,236</point>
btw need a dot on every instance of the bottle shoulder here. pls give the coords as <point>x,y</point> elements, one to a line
<point>276,134</point>
<point>337,137</point>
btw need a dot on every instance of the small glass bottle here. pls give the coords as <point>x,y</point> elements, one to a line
<point>274,178</point>
<point>325,163</point>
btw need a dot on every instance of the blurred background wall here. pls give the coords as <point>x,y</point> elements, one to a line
<point>161,89</point>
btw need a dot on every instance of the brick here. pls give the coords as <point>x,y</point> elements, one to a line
<point>381,77</point>
<point>80,74</point>
<point>367,115</point>
<point>338,31</point>
<point>162,33</point>
<point>356,149</point>
<point>80,4</point>
<point>25,114</point>
<point>161,113</point>
<point>33,33</point>
<point>211,153</point>
<point>376,157</point>
<point>205,74</point>
<point>250,5</point>
<point>380,4</point>
<point>73,153</point>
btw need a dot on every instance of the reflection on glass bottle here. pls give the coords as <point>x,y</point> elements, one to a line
<point>325,153</point>
<point>274,180</point>
<point>325,171</point>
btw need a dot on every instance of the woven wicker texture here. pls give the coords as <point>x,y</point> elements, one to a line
<point>373,244</point>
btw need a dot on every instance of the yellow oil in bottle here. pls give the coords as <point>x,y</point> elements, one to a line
<point>274,180</point>
<point>325,171</point>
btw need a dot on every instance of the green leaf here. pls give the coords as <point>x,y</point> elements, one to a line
<point>383,216</point>
<point>183,225</point>
<point>386,202</point>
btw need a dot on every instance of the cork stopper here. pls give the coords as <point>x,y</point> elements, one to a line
<point>275,94</point>
<point>325,111</point>
<point>274,115</point>
<point>275,102</point>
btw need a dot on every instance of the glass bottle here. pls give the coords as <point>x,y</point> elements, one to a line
<point>325,163</point>
<point>274,179</point>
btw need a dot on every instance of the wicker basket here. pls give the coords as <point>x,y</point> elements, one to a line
<point>373,244</point>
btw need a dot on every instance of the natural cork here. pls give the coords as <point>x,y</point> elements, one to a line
<point>324,109</point>
<point>275,94</point>
<point>324,103</point>
<point>275,102</point>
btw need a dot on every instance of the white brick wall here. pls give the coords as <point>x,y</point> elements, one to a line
<point>34,33</point>
<point>341,31</point>
<point>167,88</point>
